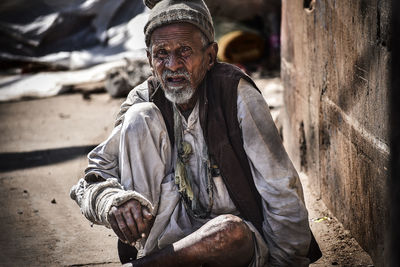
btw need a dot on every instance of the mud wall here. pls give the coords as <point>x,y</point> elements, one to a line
<point>394,183</point>
<point>336,74</point>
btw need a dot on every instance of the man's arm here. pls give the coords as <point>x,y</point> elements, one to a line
<point>100,195</point>
<point>285,223</point>
<point>102,198</point>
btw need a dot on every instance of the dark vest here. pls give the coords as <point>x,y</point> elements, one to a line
<point>218,119</point>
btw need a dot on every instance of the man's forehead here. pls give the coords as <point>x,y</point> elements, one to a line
<point>177,32</point>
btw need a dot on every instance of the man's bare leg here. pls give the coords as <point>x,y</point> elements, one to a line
<point>223,241</point>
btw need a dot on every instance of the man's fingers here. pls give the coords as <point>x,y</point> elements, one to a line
<point>114,226</point>
<point>131,221</point>
<point>148,220</point>
<point>137,214</point>
<point>146,214</point>
<point>123,227</point>
<point>132,224</point>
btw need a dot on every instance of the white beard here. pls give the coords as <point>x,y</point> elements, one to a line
<point>179,95</point>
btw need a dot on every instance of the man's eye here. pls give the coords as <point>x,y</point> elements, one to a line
<point>162,53</point>
<point>186,51</point>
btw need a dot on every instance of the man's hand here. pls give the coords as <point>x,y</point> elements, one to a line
<point>130,221</point>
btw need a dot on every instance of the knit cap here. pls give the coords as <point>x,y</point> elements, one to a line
<point>164,12</point>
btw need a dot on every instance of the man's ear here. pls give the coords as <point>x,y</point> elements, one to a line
<point>212,52</point>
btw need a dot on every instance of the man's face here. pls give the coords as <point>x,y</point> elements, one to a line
<point>180,60</point>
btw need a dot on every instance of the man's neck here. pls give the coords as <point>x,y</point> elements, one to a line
<point>187,107</point>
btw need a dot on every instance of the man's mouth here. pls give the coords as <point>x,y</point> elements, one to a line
<point>176,79</point>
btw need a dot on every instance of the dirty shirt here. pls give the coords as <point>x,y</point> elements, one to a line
<point>145,164</point>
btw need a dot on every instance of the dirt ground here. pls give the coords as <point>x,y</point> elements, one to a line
<point>43,147</point>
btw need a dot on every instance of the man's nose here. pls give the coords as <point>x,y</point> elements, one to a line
<point>174,63</point>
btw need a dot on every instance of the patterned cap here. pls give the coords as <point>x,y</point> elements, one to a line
<point>164,12</point>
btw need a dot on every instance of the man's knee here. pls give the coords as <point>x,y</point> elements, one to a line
<point>229,235</point>
<point>139,116</point>
<point>141,111</point>
<point>228,230</point>
<point>234,226</point>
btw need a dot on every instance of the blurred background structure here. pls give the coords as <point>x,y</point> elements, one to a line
<point>64,45</point>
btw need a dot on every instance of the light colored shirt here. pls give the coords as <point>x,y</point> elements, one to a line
<point>285,226</point>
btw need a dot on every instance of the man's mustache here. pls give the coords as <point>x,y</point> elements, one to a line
<point>168,74</point>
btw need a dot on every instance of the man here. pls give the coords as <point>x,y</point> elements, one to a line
<point>194,173</point>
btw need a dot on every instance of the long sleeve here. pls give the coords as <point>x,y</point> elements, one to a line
<point>103,160</point>
<point>285,225</point>
<point>101,188</point>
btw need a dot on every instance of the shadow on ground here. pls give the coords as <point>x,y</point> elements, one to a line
<point>22,160</point>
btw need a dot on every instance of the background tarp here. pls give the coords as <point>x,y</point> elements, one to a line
<point>34,29</point>
<point>48,46</point>
<point>69,42</point>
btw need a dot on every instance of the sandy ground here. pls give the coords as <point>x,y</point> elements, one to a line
<point>43,147</point>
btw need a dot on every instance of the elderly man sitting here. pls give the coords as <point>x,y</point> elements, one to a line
<point>194,172</point>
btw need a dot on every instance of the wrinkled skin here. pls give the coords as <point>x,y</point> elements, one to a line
<point>130,221</point>
<point>179,49</point>
<point>180,60</point>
